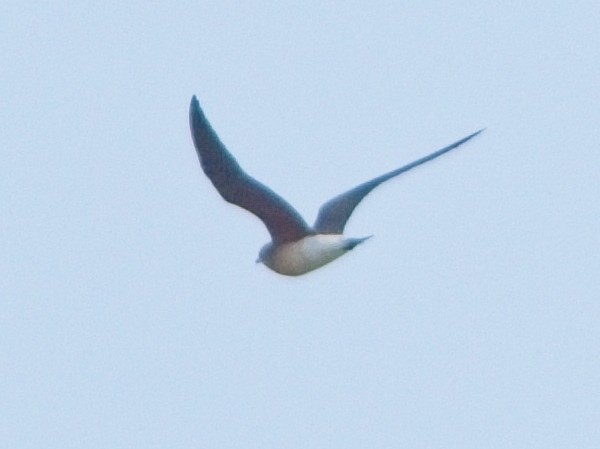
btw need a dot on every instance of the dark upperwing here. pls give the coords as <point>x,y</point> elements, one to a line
<point>334,214</point>
<point>235,186</point>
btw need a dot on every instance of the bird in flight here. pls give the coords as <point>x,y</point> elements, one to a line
<point>295,247</point>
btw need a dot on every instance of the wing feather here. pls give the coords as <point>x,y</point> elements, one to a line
<point>283,222</point>
<point>334,214</point>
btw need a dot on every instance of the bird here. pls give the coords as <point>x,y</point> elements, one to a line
<point>295,247</point>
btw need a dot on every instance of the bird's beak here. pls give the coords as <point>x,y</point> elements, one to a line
<point>258,260</point>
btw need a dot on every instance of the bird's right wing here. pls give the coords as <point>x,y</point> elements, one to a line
<point>334,214</point>
<point>284,223</point>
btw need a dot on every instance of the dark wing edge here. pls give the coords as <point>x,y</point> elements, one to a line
<point>334,214</point>
<point>283,222</point>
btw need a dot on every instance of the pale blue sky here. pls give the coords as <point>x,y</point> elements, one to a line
<point>132,314</point>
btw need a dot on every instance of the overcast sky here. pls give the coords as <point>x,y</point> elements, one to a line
<point>132,314</point>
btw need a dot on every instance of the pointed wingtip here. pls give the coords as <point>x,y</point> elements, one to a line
<point>196,113</point>
<point>460,142</point>
<point>194,103</point>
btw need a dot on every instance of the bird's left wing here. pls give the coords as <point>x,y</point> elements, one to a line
<point>334,214</point>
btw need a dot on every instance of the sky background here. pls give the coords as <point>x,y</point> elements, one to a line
<point>132,314</point>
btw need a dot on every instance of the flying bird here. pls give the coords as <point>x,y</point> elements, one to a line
<point>295,247</point>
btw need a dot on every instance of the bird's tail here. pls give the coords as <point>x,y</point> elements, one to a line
<point>352,242</point>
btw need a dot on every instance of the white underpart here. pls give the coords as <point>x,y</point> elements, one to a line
<point>311,252</point>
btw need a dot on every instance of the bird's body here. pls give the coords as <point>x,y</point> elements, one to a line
<point>307,254</point>
<point>295,248</point>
